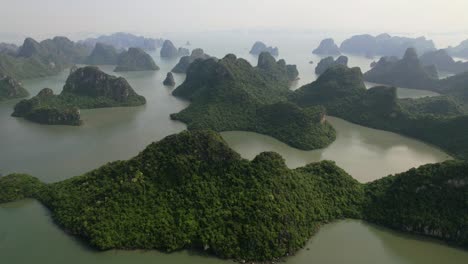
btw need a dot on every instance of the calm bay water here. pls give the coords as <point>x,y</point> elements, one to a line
<point>54,153</point>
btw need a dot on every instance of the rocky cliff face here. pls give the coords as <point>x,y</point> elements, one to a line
<point>260,47</point>
<point>11,89</point>
<point>327,47</point>
<point>135,59</point>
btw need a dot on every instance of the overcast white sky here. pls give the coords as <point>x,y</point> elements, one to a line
<point>41,17</point>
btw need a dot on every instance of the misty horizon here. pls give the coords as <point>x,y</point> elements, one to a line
<point>163,19</point>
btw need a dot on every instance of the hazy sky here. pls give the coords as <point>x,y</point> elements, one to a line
<point>41,17</point>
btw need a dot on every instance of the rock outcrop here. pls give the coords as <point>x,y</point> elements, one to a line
<point>135,59</point>
<point>103,54</point>
<point>260,47</point>
<point>329,62</point>
<point>184,63</point>
<point>169,81</point>
<point>327,47</point>
<point>183,52</point>
<point>11,89</point>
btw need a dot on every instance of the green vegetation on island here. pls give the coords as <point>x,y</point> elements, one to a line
<point>85,88</point>
<point>11,89</point>
<point>230,94</point>
<point>431,201</point>
<point>191,191</point>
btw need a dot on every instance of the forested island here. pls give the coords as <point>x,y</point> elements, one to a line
<point>191,191</point>
<point>230,94</point>
<point>85,88</point>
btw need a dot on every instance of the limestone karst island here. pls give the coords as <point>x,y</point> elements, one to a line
<point>219,132</point>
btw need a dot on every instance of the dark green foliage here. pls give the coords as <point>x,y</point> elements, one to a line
<point>191,191</point>
<point>431,200</point>
<point>230,94</point>
<point>85,88</point>
<point>299,128</point>
<point>135,59</point>
<point>18,186</point>
<point>11,89</point>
